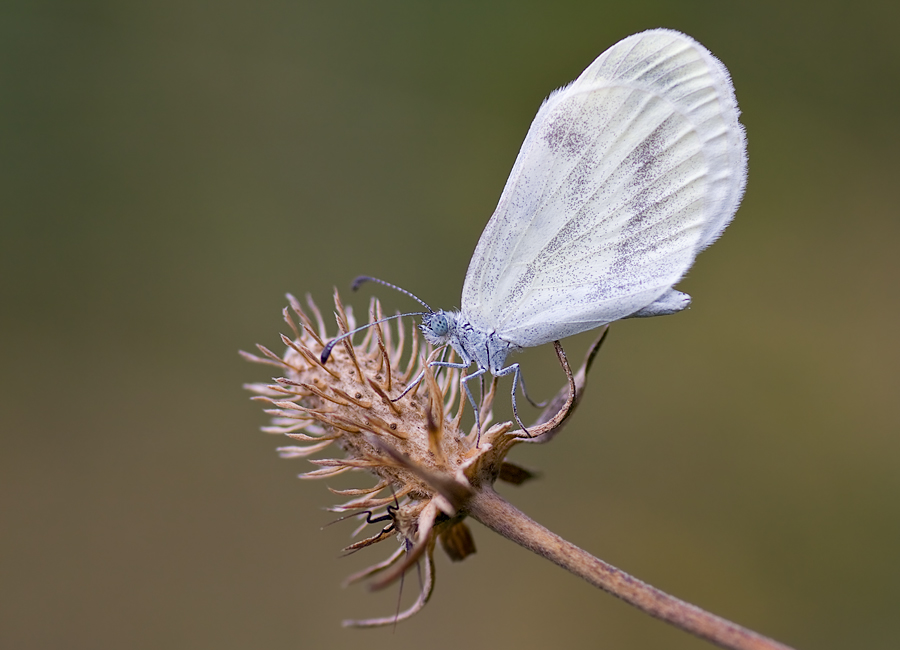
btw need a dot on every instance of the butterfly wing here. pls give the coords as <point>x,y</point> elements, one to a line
<point>625,175</point>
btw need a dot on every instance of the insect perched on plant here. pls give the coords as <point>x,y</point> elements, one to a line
<point>625,175</point>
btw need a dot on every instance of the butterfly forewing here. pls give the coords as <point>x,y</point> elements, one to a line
<point>623,177</point>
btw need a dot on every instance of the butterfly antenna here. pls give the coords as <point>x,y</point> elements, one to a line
<point>326,351</point>
<point>370,517</point>
<point>365,278</point>
<point>396,502</point>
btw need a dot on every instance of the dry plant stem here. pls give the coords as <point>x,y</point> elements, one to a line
<point>502,517</point>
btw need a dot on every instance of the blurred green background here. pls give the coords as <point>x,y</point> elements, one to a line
<point>171,169</point>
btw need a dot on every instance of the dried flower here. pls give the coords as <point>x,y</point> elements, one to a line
<point>426,467</point>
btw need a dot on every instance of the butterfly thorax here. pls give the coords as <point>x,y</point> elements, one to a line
<point>474,345</point>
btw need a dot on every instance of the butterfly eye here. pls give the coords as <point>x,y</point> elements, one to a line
<point>439,325</point>
<point>436,327</point>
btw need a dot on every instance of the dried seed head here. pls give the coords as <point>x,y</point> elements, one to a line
<point>425,465</point>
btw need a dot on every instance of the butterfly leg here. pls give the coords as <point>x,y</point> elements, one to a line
<point>521,380</point>
<point>475,409</point>
<point>412,384</point>
<point>465,383</point>
<point>415,382</point>
<point>513,369</point>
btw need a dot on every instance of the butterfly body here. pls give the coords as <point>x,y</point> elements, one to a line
<point>486,349</point>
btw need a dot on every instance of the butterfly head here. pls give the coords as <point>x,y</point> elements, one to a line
<point>438,327</point>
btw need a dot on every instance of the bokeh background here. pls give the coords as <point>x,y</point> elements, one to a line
<point>171,169</point>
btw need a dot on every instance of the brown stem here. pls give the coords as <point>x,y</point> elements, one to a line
<point>502,517</point>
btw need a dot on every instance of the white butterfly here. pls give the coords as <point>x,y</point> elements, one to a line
<point>626,174</point>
